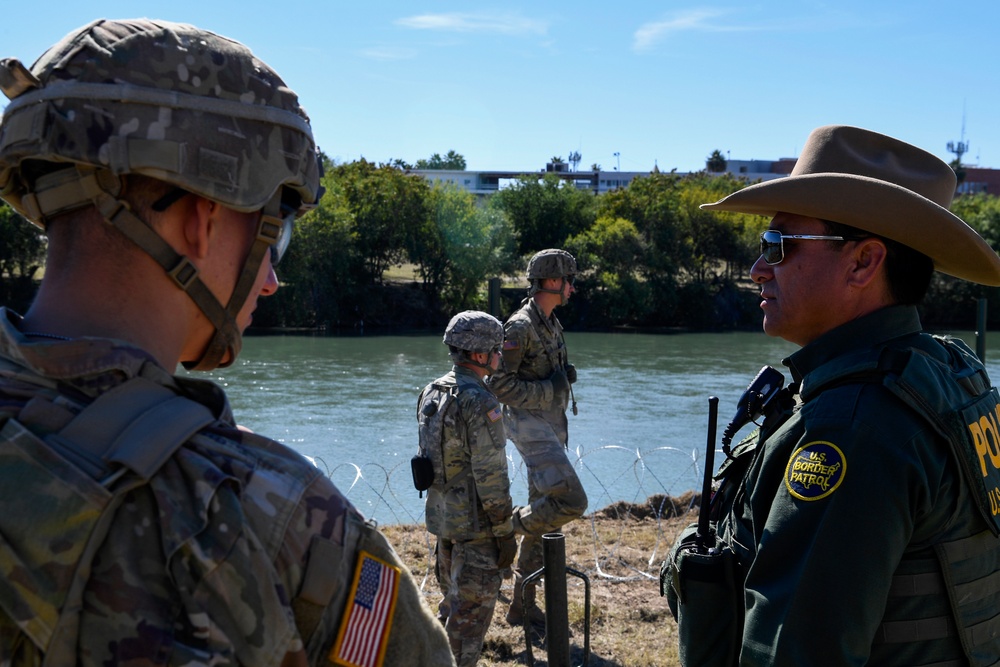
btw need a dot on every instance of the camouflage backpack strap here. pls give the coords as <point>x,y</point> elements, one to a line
<point>62,491</point>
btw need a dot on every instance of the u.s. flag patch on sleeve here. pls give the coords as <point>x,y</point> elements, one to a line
<point>364,630</point>
<point>495,414</point>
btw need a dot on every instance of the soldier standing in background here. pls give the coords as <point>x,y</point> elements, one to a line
<point>140,525</point>
<point>534,385</point>
<point>468,505</point>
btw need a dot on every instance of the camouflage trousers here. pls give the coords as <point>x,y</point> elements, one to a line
<point>555,493</point>
<point>470,582</point>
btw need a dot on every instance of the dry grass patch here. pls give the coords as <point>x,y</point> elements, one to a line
<point>619,548</point>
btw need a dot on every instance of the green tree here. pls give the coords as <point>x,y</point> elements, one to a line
<point>607,254</point>
<point>652,204</point>
<point>951,300</point>
<point>22,254</point>
<point>464,245</point>
<point>319,273</point>
<point>722,245</point>
<point>981,211</point>
<point>715,162</point>
<point>545,212</point>
<point>959,169</point>
<point>387,209</point>
<point>451,160</point>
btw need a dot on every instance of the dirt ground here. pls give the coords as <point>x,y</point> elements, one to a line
<point>619,549</point>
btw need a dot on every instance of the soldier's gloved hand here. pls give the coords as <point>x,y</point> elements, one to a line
<point>571,373</point>
<point>560,387</point>
<point>508,549</point>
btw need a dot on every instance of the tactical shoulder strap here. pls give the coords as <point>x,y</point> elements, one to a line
<point>552,352</point>
<point>448,403</point>
<point>865,366</point>
<point>136,426</point>
<point>952,395</point>
<point>133,428</point>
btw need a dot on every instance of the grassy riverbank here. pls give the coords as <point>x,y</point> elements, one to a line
<point>620,549</point>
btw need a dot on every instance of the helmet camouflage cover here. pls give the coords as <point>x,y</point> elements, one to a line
<point>551,263</point>
<point>162,99</point>
<point>474,331</point>
<point>171,102</point>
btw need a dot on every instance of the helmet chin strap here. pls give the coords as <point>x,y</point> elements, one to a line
<point>467,360</point>
<point>537,287</point>
<point>227,339</point>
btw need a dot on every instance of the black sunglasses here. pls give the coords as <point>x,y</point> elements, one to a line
<point>772,243</point>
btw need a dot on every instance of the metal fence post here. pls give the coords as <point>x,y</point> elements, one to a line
<point>557,603</point>
<point>493,297</point>
<point>556,599</point>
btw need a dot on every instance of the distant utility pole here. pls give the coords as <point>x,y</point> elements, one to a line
<point>618,162</point>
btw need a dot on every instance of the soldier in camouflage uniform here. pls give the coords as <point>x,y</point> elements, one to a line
<point>468,506</point>
<point>534,385</point>
<point>140,525</point>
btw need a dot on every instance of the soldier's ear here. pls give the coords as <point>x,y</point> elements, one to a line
<point>197,225</point>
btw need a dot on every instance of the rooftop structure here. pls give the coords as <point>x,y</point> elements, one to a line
<point>488,182</point>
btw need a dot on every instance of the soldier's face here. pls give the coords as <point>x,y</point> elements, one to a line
<point>495,360</point>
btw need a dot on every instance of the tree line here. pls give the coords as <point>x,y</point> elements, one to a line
<point>648,256</point>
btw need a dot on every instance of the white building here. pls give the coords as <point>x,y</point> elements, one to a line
<point>488,182</point>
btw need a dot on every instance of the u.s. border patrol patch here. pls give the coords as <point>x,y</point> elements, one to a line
<point>815,470</point>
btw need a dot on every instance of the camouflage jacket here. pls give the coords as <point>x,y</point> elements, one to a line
<point>534,348</point>
<point>236,552</point>
<point>474,504</point>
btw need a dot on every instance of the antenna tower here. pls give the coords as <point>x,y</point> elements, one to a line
<point>961,147</point>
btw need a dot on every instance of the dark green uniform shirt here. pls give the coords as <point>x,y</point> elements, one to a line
<point>854,489</point>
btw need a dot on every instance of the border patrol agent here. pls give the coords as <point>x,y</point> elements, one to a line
<point>863,514</point>
<point>140,525</point>
<point>468,505</point>
<point>535,386</point>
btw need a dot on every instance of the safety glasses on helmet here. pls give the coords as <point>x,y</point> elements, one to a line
<point>276,227</point>
<point>276,222</point>
<point>772,243</point>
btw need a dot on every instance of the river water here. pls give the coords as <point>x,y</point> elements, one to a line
<point>349,403</point>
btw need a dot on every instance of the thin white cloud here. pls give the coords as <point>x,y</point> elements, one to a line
<point>697,19</point>
<point>387,53</point>
<point>505,24</point>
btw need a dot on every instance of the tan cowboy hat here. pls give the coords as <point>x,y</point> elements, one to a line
<point>881,185</point>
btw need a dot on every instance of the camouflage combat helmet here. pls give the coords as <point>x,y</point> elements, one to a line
<point>474,331</point>
<point>168,101</point>
<point>551,263</point>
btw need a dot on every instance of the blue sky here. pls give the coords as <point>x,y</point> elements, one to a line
<point>510,85</point>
